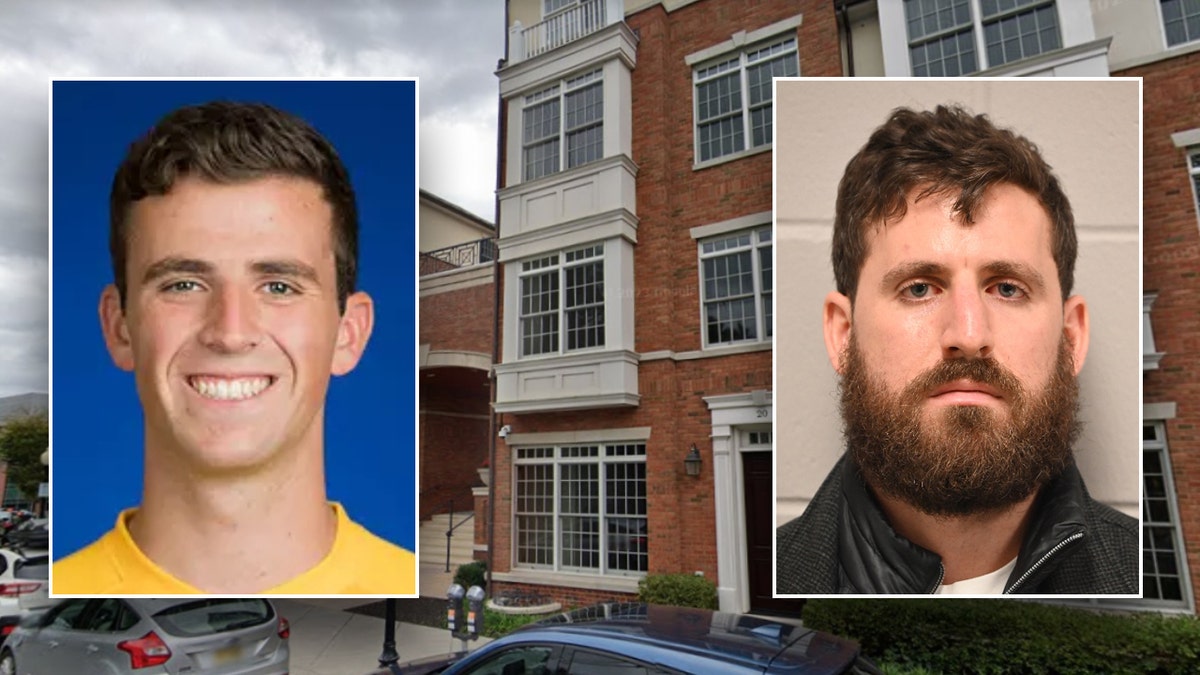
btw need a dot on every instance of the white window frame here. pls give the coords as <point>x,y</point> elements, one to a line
<point>759,238</point>
<point>563,5</point>
<point>561,91</point>
<point>1162,24</point>
<point>1193,164</point>
<point>556,457</point>
<point>740,60</point>
<point>1159,444</point>
<point>561,263</point>
<point>977,30</point>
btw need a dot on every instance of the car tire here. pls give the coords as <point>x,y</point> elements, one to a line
<point>8,665</point>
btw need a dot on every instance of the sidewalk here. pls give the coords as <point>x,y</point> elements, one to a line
<point>327,640</point>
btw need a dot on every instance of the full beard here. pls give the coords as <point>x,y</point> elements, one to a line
<point>966,460</point>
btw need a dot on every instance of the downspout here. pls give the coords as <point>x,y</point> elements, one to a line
<point>845,14</point>
<point>495,420</point>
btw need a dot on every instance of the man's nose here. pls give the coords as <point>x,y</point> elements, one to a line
<point>232,321</point>
<point>967,329</point>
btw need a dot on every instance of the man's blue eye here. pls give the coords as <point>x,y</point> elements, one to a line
<point>918,290</point>
<point>182,286</point>
<point>1008,290</point>
<point>279,288</point>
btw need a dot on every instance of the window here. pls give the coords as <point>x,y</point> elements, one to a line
<point>736,287</point>
<point>942,34</point>
<point>547,129</point>
<point>1181,21</point>
<point>551,6</point>
<point>582,508</point>
<point>569,294</point>
<point>525,659</point>
<point>1194,170</point>
<point>725,117</point>
<point>1164,570</point>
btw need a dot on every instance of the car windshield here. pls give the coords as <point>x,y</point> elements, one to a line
<point>208,617</point>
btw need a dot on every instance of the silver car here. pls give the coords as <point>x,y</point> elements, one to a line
<point>140,636</point>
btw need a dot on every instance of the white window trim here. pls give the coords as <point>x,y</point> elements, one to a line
<point>981,58</point>
<point>562,88</point>
<point>760,318</point>
<point>556,461</point>
<point>1194,177</point>
<point>560,267</point>
<point>1185,576</point>
<point>737,43</point>
<point>1162,28</point>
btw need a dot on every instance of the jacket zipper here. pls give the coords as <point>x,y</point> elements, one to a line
<point>1042,560</point>
<point>941,575</point>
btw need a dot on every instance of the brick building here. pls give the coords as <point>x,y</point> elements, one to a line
<point>457,297</point>
<point>634,304</point>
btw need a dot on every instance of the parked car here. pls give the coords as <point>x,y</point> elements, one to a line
<point>95,636</point>
<point>639,638</point>
<point>32,534</point>
<point>24,587</point>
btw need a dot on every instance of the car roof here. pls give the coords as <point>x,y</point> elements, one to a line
<point>152,606</point>
<point>677,635</point>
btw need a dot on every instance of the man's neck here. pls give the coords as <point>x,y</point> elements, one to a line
<point>970,546</point>
<point>235,533</point>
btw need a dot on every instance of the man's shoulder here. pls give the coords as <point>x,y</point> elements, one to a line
<point>376,564</point>
<point>806,546</point>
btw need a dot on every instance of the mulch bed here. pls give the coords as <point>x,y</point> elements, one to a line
<point>422,611</point>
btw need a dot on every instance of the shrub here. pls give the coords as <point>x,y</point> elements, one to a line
<point>681,590</point>
<point>1004,636</point>
<point>472,574</point>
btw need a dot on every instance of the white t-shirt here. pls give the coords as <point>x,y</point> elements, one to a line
<point>991,583</point>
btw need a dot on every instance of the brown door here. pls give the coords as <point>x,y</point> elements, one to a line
<point>760,531</point>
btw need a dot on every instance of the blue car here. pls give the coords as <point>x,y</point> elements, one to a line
<point>635,638</point>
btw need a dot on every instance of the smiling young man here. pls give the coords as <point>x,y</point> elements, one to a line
<point>958,343</point>
<point>233,238</point>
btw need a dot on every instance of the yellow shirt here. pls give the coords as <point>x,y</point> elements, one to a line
<point>358,563</point>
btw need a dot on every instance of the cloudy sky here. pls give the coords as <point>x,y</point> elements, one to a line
<point>451,45</point>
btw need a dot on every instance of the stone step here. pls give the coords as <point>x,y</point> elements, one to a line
<point>432,537</point>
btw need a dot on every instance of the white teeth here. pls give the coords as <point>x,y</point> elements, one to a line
<point>220,389</point>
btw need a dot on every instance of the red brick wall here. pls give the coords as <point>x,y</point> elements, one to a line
<point>672,197</point>
<point>569,597</point>
<point>1171,257</point>
<point>459,320</point>
<point>451,448</point>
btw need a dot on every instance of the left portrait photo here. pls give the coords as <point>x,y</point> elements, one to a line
<point>232,337</point>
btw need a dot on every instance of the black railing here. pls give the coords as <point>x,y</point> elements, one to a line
<point>472,253</point>
<point>454,526</point>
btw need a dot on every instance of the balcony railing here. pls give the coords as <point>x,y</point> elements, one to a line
<point>562,28</point>
<point>472,253</point>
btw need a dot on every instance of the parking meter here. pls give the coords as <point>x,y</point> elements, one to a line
<point>474,612</point>
<point>454,598</point>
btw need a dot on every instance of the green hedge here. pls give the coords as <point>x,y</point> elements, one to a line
<point>471,574</point>
<point>681,590</point>
<point>1004,636</point>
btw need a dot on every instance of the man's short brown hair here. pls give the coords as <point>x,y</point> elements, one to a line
<point>226,142</point>
<point>944,152</point>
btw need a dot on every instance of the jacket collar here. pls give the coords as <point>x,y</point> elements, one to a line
<point>876,559</point>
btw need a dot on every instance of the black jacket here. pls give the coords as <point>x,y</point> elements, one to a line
<point>843,544</point>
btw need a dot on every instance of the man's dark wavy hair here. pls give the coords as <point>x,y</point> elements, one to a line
<point>944,152</point>
<point>228,142</point>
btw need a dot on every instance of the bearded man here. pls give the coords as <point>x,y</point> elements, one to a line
<point>958,343</point>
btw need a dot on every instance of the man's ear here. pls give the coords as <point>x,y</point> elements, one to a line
<point>353,332</point>
<point>1075,327</point>
<point>837,315</point>
<point>116,332</point>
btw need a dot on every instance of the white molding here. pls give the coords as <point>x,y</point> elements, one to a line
<point>1181,50</point>
<point>457,279</point>
<point>742,38</point>
<point>731,225</point>
<point>1058,58</point>
<point>709,163</point>
<point>710,353</point>
<point>1158,411</point>
<point>588,581</point>
<point>615,41</point>
<point>1186,139</point>
<point>728,412</point>
<point>455,359</point>
<point>617,223</point>
<point>583,436</point>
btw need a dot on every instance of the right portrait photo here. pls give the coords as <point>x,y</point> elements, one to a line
<point>957,317</point>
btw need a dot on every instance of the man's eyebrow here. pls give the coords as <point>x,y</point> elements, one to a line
<point>176,265</point>
<point>908,270</point>
<point>1009,268</point>
<point>285,268</point>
